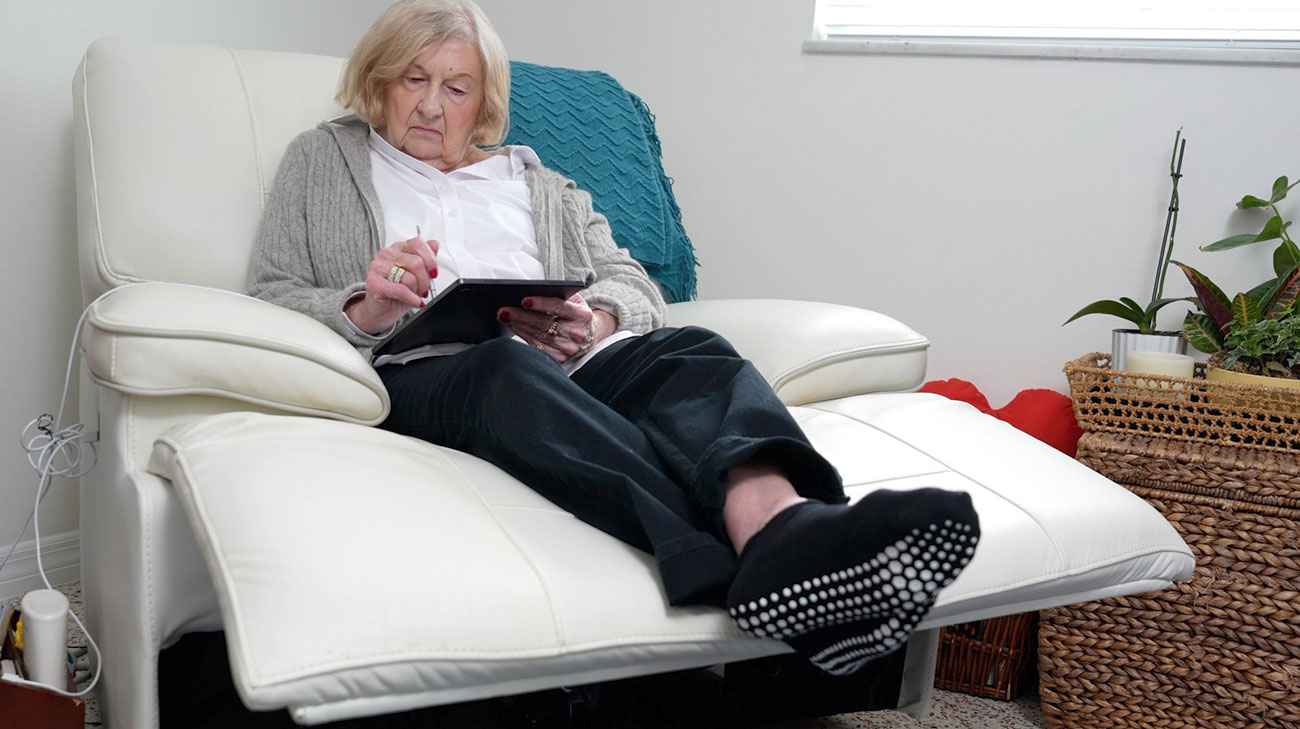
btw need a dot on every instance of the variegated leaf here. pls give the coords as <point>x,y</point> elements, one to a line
<point>1245,310</point>
<point>1211,298</point>
<point>1201,333</point>
<point>1286,296</point>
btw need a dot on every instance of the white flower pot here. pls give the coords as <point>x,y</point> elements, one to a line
<point>1123,341</point>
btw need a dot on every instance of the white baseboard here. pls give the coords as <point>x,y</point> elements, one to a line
<point>60,554</point>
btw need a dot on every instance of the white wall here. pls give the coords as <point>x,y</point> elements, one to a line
<point>40,45</point>
<point>981,200</point>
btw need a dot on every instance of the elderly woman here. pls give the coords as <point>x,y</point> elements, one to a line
<point>664,438</point>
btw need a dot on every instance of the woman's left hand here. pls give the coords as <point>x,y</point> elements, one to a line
<point>562,328</point>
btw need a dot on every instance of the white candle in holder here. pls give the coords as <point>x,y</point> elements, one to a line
<point>1160,363</point>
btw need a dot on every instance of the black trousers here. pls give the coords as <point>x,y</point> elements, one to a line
<point>637,443</point>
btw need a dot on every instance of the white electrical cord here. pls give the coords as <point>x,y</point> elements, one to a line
<point>54,450</point>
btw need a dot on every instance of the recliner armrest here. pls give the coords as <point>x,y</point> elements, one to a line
<point>160,339</point>
<point>812,351</point>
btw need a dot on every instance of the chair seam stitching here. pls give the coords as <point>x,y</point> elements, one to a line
<point>560,635</point>
<point>252,132</point>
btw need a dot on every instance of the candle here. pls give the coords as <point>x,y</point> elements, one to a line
<point>45,637</point>
<point>1160,363</point>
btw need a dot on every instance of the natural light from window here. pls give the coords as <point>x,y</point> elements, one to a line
<point>1259,31</point>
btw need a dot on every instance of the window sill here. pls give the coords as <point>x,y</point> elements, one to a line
<point>1047,49</point>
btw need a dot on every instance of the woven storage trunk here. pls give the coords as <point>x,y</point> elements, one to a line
<point>986,658</point>
<point>1219,651</point>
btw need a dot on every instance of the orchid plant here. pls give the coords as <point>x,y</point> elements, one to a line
<point>1144,317</point>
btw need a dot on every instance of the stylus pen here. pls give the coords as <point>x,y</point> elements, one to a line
<point>432,288</point>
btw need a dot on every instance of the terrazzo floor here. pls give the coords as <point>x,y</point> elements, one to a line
<point>686,699</point>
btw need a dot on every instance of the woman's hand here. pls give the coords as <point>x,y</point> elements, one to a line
<point>398,280</point>
<point>562,328</point>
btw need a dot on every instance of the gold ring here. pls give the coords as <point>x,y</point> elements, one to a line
<point>396,273</point>
<point>539,345</point>
<point>555,326</point>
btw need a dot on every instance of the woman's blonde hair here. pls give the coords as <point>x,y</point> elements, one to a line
<point>409,28</point>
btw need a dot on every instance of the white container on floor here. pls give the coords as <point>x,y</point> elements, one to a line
<point>45,637</point>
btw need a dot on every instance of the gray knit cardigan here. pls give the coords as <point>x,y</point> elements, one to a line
<point>322,227</point>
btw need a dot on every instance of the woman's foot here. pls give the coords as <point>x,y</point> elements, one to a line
<point>843,585</point>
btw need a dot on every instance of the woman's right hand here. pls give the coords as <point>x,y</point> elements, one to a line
<point>389,296</point>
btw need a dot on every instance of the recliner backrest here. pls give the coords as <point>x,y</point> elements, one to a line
<point>192,144</point>
<point>196,141</point>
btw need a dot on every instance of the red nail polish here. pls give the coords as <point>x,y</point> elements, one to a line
<point>433,273</point>
<point>528,303</point>
<point>503,316</point>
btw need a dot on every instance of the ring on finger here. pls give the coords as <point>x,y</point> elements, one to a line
<point>590,340</point>
<point>396,273</point>
<point>539,345</point>
<point>555,326</point>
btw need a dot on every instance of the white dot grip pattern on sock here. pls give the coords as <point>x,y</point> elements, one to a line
<point>841,619</point>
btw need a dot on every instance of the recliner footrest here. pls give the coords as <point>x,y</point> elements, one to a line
<point>483,588</point>
<point>371,572</point>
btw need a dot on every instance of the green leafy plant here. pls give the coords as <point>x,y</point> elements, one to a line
<point>1287,254</point>
<point>1248,321</point>
<point>1144,317</point>
<point>1208,329</point>
<point>1266,347</point>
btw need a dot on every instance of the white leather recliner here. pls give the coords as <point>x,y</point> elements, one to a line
<point>354,571</point>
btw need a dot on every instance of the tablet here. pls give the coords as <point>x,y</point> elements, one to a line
<point>466,311</point>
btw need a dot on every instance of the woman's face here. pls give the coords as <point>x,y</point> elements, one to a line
<point>430,110</point>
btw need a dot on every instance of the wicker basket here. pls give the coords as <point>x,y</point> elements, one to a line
<point>1187,409</point>
<point>1221,650</point>
<point>987,658</point>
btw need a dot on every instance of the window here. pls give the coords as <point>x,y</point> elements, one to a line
<point>1255,31</point>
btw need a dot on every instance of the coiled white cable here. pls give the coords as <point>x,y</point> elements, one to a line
<point>55,450</point>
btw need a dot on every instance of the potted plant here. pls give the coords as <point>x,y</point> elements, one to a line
<point>1255,333</point>
<point>1266,352</point>
<point>1144,335</point>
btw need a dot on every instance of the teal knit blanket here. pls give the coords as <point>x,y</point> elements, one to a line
<point>586,126</point>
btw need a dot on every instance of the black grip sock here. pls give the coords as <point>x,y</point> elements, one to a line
<point>843,585</point>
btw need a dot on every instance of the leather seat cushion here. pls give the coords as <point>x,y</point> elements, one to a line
<point>484,588</point>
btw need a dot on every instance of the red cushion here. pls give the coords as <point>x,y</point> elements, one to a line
<point>1045,414</point>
